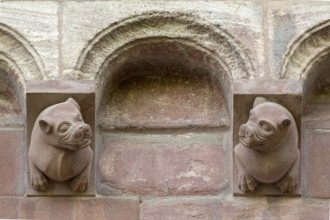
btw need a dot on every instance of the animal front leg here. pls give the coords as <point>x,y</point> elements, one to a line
<point>290,181</point>
<point>38,179</point>
<point>80,182</point>
<point>245,181</point>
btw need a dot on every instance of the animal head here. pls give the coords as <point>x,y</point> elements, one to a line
<point>63,126</point>
<point>267,127</point>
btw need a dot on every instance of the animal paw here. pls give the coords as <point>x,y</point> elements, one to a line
<point>79,183</point>
<point>247,183</point>
<point>39,181</point>
<point>287,184</point>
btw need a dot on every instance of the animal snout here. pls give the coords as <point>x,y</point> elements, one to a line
<point>246,130</point>
<point>83,131</point>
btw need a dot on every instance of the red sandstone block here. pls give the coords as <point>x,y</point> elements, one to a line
<point>8,208</point>
<point>104,208</point>
<point>13,153</point>
<point>316,154</point>
<point>297,208</point>
<point>187,164</point>
<point>34,208</point>
<point>244,208</point>
<point>181,210</point>
<point>61,209</point>
<point>121,209</point>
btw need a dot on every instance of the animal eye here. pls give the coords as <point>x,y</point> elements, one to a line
<point>79,118</point>
<point>266,126</point>
<point>63,127</point>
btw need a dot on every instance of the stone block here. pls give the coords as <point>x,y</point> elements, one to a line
<point>181,209</point>
<point>163,164</point>
<point>38,24</point>
<point>13,155</point>
<point>41,94</point>
<point>316,153</point>
<point>69,208</point>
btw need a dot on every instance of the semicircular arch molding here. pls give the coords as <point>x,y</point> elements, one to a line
<point>306,51</point>
<point>185,27</point>
<point>20,55</point>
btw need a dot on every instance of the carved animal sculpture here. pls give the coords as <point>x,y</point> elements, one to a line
<point>59,148</point>
<point>268,149</point>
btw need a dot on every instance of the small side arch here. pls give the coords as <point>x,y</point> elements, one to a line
<point>306,51</point>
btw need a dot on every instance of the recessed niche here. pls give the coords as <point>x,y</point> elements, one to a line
<point>316,124</point>
<point>11,99</point>
<point>164,85</point>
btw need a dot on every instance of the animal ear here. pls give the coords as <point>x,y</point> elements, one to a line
<point>259,100</point>
<point>73,102</point>
<point>286,123</point>
<point>46,125</point>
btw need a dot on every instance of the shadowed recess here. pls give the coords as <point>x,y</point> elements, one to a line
<point>164,84</point>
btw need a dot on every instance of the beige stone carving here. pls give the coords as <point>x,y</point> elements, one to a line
<point>59,148</point>
<point>268,149</point>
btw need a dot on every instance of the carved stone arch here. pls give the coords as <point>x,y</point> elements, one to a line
<point>12,90</point>
<point>208,48</point>
<point>216,40</point>
<point>306,51</point>
<point>21,54</point>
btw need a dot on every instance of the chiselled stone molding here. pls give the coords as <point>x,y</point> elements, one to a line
<point>306,51</point>
<point>185,29</point>
<point>22,58</point>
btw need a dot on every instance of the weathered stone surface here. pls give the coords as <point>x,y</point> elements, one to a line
<point>287,22</point>
<point>38,23</point>
<point>243,208</point>
<point>181,209</point>
<point>316,154</point>
<point>183,164</point>
<point>69,208</point>
<point>246,27</point>
<point>296,208</point>
<point>13,164</point>
<point>165,100</point>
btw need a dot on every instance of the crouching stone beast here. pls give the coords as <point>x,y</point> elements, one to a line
<point>59,148</point>
<point>268,149</point>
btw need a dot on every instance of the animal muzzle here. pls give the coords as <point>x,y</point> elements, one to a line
<point>246,131</point>
<point>79,137</point>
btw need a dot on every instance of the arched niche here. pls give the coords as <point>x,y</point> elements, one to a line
<point>306,51</point>
<point>161,82</point>
<point>155,45</point>
<point>18,50</point>
<point>12,104</point>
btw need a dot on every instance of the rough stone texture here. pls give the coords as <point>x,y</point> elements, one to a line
<point>38,24</point>
<point>271,39</point>
<point>316,159</point>
<point>163,99</point>
<point>287,22</point>
<point>180,209</point>
<point>80,20</point>
<point>69,209</point>
<point>13,163</point>
<point>186,164</point>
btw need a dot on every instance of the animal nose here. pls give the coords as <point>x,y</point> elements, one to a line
<point>87,130</point>
<point>248,132</point>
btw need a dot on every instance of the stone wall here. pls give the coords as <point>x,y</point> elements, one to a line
<point>173,80</point>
